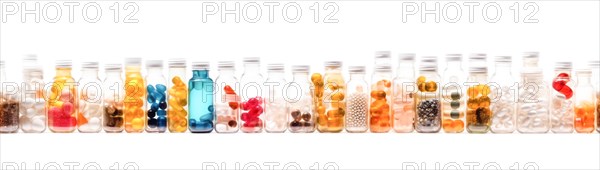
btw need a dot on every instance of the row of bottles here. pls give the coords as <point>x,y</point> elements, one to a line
<point>425,102</point>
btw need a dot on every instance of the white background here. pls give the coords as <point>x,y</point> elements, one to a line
<point>565,31</point>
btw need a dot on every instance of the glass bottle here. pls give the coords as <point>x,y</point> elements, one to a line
<point>178,96</point>
<point>358,101</point>
<point>227,101</point>
<point>532,110</point>
<point>453,104</point>
<point>114,94</point>
<point>135,93</point>
<point>585,107</point>
<point>33,107</point>
<point>252,101</point>
<point>562,105</point>
<point>9,105</point>
<point>201,96</point>
<point>428,106</point>
<point>156,97</point>
<point>334,105</point>
<point>62,102</point>
<point>404,89</point>
<point>595,79</point>
<point>89,118</point>
<point>380,102</point>
<point>302,117</point>
<point>503,97</point>
<point>479,114</point>
<point>276,106</point>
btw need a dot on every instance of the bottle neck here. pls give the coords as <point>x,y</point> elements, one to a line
<point>251,68</point>
<point>276,74</point>
<point>333,70</point>
<point>132,69</point>
<point>584,78</point>
<point>357,76</point>
<point>503,68</point>
<point>89,73</point>
<point>300,76</point>
<point>406,70</point>
<point>453,65</point>
<point>63,72</point>
<point>227,72</point>
<point>203,74</point>
<point>155,71</point>
<point>113,74</point>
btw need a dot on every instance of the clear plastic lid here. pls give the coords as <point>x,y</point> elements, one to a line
<point>300,68</point>
<point>154,64</point>
<point>251,60</point>
<point>428,63</point>
<point>177,63</point>
<point>226,65</point>
<point>357,69</point>
<point>200,65</point>
<point>135,61</point>
<point>333,64</point>
<point>89,65</point>
<point>113,67</point>
<point>383,57</point>
<point>277,67</point>
<point>64,63</point>
<point>563,65</point>
<point>503,59</point>
<point>406,57</point>
<point>453,57</point>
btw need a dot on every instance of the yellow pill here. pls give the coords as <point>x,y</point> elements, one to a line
<point>137,123</point>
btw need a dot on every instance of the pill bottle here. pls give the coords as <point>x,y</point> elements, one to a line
<point>453,92</point>
<point>428,107</point>
<point>561,107</point>
<point>177,111</point>
<point>201,98</point>
<point>156,97</point>
<point>89,118</point>
<point>357,116</point>
<point>227,100</point>
<point>503,86</point>
<point>404,89</point>
<point>301,116</point>
<point>113,94</point>
<point>276,106</point>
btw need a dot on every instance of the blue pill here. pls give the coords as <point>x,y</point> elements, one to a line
<point>161,88</point>
<point>162,105</point>
<point>152,123</point>
<point>161,113</point>
<point>162,122</point>
<point>150,88</point>
<point>151,113</point>
<point>192,122</point>
<point>207,117</point>
<point>154,107</point>
<point>211,108</point>
<point>158,96</point>
<point>150,98</point>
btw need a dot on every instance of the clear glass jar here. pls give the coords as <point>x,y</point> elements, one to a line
<point>227,102</point>
<point>333,93</point>
<point>89,118</point>
<point>380,102</point>
<point>9,105</point>
<point>595,79</point>
<point>302,117</point>
<point>156,97</point>
<point>532,110</point>
<point>561,108</point>
<point>33,106</point>
<point>585,107</point>
<point>428,106</point>
<point>276,106</point>
<point>503,97</point>
<point>135,93</point>
<point>404,89</point>
<point>479,114</point>
<point>358,101</point>
<point>253,105</point>
<point>201,94</point>
<point>62,102</point>
<point>114,94</point>
<point>177,111</point>
<point>453,103</point>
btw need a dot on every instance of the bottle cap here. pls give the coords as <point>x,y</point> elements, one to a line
<point>275,67</point>
<point>112,67</point>
<point>503,59</point>
<point>177,62</point>
<point>135,61</point>
<point>200,65</point>
<point>2,63</point>
<point>563,65</point>
<point>531,55</point>
<point>583,71</point>
<point>428,63</point>
<point>406,57</point>
<point>64,64</point>
<point>477,56</point>
<point>154,63</point>
<point>334,64</point>
<point>357,69</point>
<point>594,64</point>
<point>224,65</point>
<point>300,68</point>
<point>383,68</point>
<point>453,57</point>
<point>89,65</point>
<point>382,54</point>
<point>251,60</point>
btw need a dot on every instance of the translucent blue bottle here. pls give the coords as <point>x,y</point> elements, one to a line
<point>201,99</point>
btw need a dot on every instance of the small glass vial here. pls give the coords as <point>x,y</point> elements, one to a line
<point>135,93</point>
<point>595,79</point>
<point>276,106</point>
<point>404,89</point>
<point>479,115</point>
<point>201,98</point>
<point>302,117</point>
<point>177,111</point>
<point>252,83</point>
<point>428,106</point>
<point>9,106</point>
<point>62,102</point>
<point>33,107</point>
<point>532,110</point>
<point>156,97</point>
<point>89,118</point>
<point>503,97</point>
<point>453,104</point>
<point>333,95</point>
<point>380,102</point>
<point>358,101</point>
<point>114,94</point>
<point>585,107</point>
<point>561,108</point>
<point>227,101</point>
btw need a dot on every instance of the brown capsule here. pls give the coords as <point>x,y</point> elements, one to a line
<point>232,123</point>
<point>306,116</point>
<point>296,114</point>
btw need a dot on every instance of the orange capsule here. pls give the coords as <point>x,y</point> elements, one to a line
<point>421,79</point>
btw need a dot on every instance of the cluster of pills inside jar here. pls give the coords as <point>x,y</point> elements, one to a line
<point>452,122</point>
<point>251,114</point>
<point>403,109</point>
<point>157,114</point>
<point>478,108</point>
<point>227,117</point>
<point>562,105</point>
<point>358,107</point>
<point>334,105</point>
<point>319,88</point>
<point>428,110</point>
<point>9,115</point>
<point>380,108</point>
<point>532,116</point>
<point>503,109</point>
<point>89,118</point>
<point>205,121</point>
<point>301,120</point>
<point>33,113</point>
<point>276,116</point>
<point>598,110</point>
<point>113,115</point>
<point>61,111</point>
<point>584,116</point>
<point>134,97</point>
<point>178,99</point>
